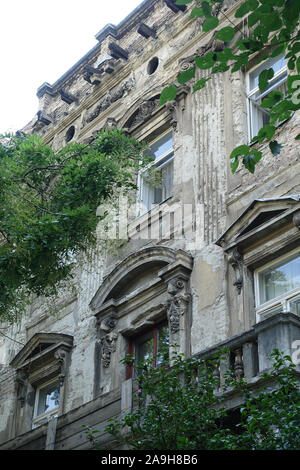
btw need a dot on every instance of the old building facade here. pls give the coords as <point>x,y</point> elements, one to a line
<point>202,251</point>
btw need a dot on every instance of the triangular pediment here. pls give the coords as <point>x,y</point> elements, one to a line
<point>261,218</point>
<point>41,345</point>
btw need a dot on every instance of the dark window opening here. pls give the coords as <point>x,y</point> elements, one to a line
<point>152,65</point>
<point>70,133</point>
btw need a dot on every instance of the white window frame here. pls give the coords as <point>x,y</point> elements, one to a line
<point>141,208</point>
<point>280,303</point>
<point>40,419</point>
<point>251,92</point>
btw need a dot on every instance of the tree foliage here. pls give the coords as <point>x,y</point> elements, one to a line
<point>48,203</point>
<point>180,408</point>
<point>273,29</point>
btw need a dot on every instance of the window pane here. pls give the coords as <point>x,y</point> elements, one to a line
<point>278,280</point>
<point>295,306</point>
<point>163,346</point>
<point>156,193</point>
<point>161,147</point>
<point>144,350</point>
<point>277,63</point>
<point>48,398</point>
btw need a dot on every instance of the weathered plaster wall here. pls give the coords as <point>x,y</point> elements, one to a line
<point>207,126</point>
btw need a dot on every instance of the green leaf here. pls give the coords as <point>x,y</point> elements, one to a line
<point>264,78</point>
<point>275,147</point>
<point>226,34</point>
<point>273,98</point>
<point>249,162</point>
<point>210,23</point>
<point>234,163</point>
<point>271,21</point>
<point>205,62</point>
<point>183,2</point>
<point>240,150</point>
<point>186,76</point>
<point>247,6</point>
<point>168,94</point>
<point>266,132</point>
<point>297,137</point>
<point>200,84</point>
<point>197,12</point>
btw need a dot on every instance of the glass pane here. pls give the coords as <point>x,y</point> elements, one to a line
<point>48,398</point>
<point>154,192</point>
<point>277,63</point>
<point>161,147</point>
<point>163,345</point>
<point>144,350</point>
<point>279,279</point>
<point>295,306</point>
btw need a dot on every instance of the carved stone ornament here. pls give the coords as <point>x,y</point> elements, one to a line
<point>144,112</point>
<point>177,304</point>
<point>238,364</point>
<point>108,346</point>
<point>296,219</point>
<point>235,259</point>
<point>112,96</point>
<point>21,380</point>
<point>110,124</point>
<point>61,356</point>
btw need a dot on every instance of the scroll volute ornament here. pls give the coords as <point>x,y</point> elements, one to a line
<point>177,303</point>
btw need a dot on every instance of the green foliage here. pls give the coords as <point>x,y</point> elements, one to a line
<point>48,203</point>
<point>178,408</point>
<point>274,31</point>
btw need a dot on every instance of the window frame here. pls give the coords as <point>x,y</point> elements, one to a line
<point>168,156</point>
<point>251,92</point>
<point>281,302</point>
<point>39,419</point>
<point>138,339</point>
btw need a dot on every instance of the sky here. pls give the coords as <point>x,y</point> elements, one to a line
<point>39,41</point>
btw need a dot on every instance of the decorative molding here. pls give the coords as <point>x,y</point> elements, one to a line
<point>238,365</point>
<point>178,302</point>
<point>235,259</point>
<point>144,112</point>
<point>61,356</point>
<point>296,220</point>
<point>177,106</point>
<point>21,379</point>
<point>108,346</point>
<point>112,96</point>
<point>110,124</point>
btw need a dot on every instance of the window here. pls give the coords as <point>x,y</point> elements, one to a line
<point>278,285</point>
<point>46,402</point>
<point>258,117</point>
<point>153,344</point>
<point>157,186</point>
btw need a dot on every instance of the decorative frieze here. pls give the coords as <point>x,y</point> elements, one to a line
<point>112,96</point>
